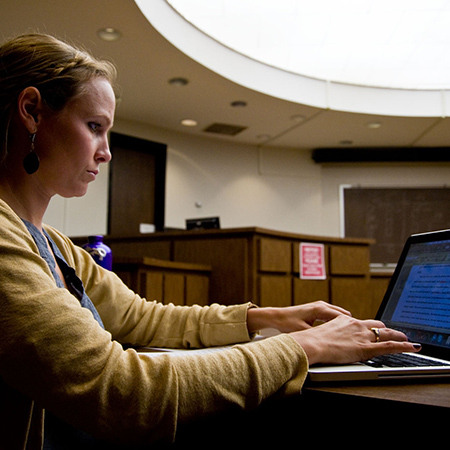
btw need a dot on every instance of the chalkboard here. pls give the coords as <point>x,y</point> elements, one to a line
<point>390,215</point>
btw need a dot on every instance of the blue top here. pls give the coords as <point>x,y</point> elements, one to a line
<point>58,434</point>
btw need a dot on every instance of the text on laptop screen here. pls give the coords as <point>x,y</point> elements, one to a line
<point>419,304</point>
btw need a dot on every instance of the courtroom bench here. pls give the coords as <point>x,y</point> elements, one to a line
<point>262,266</point>
<point>174,282</point>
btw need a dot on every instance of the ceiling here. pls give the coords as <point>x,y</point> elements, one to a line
<point>146,61</point>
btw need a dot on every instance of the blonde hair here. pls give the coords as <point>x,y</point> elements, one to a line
<point>56,68</point>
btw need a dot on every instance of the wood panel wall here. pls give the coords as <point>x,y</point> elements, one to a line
<point>262,266</point>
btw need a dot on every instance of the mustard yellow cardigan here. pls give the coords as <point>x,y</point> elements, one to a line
<point>54,355</point>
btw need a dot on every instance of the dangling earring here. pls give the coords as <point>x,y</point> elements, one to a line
<point>31,161</point>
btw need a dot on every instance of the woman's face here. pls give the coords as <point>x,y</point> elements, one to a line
<point>72,143</point>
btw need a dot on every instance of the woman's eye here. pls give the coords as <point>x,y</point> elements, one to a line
<point>94,126</point>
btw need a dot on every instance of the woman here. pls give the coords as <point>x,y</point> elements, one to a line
<point>64,319</point>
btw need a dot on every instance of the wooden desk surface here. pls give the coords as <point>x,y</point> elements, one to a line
<point>399,415</point>
<point>430,394</point>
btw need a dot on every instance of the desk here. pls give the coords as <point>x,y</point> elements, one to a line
<point>435,395</point>
<point>331,415</point>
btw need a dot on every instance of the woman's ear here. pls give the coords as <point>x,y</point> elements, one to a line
<point>29,106</point>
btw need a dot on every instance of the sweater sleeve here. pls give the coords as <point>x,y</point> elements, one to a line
<point>54,352</point>
<point>140,322</point>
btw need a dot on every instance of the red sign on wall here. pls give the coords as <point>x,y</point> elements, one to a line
<point>312,261</point>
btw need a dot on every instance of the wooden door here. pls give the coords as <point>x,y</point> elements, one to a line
<point>137,185</point>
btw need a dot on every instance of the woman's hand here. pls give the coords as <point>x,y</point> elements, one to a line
<point>292,318</point>
<point>339,339</point>
<point>345,340</point>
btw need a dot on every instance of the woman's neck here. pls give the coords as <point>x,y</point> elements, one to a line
<point>24,199</point>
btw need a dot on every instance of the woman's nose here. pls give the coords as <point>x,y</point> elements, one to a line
<point>104,153</point>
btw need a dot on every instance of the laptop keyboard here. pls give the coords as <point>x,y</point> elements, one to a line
<point>402,360</point>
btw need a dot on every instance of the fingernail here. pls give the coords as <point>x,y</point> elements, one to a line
<point>417,346</point>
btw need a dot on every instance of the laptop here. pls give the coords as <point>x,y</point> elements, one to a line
<point>417,302</point>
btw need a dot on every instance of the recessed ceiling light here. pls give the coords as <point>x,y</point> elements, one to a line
<point>189,122</point>
<point>178,81</point>
<point>109,34</point>
<point>374,125</point>
<point>238,104</point>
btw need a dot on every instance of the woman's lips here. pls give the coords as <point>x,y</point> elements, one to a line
<point>94,173</point>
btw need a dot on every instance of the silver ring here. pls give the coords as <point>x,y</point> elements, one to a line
<point>376,332</point>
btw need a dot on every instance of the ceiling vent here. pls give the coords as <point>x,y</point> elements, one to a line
<point>225,129</point>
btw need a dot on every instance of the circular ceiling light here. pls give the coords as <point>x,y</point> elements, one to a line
<point>109,34</point>
<point>298,118</point>
<point>400,44</point>
<point>189,123</point>
<point>178,81</point>
<point>373,57</point>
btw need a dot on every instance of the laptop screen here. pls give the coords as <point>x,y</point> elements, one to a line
<point>418,300</point>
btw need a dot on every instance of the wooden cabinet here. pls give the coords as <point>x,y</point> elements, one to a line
<point>275,255</point>
<point>274,291</point>
<point>349,283</point>
<point>305,291</point>
<point>262,266</point>
<point>349,259</point>
<point>166,281</point>
<point>379,282</point>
